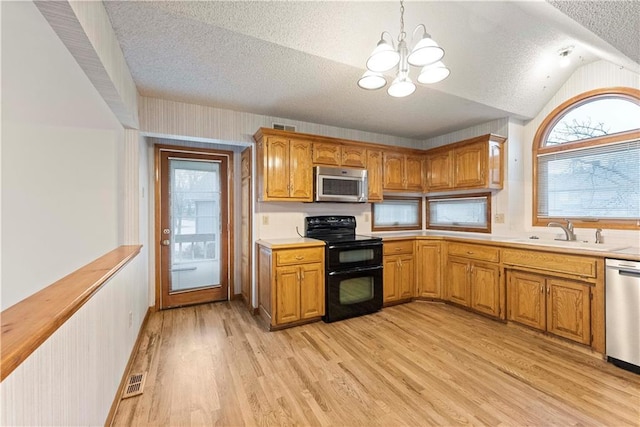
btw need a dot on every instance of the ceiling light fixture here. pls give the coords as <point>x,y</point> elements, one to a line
<point>564,53</point>
<point>426,54</point>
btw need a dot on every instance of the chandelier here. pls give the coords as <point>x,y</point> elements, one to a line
<point>426,54</point>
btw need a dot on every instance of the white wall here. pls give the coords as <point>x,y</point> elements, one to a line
<point>63,182</point>
<point>60,146</point>
<point>72,378</point>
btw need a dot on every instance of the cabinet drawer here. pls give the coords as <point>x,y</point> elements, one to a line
<point>584,267</point>
<point>485,253</point>
<point>299,256</point>
<point>399,247</point>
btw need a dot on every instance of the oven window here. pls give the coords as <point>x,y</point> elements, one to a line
<point>356,255</point>
<point>358,289</point>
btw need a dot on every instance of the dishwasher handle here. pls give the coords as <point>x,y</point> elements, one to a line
<point>629,273</point>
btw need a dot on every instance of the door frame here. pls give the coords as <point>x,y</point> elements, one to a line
<point>230,155</point>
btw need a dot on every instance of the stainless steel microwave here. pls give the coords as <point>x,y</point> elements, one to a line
<point>340,184</point>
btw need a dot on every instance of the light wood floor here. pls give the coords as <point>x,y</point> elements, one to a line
<point>414,364</point>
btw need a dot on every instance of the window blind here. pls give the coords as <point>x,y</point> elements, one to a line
<point>594,182</point>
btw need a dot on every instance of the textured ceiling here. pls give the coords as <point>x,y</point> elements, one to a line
<point>301,60</point>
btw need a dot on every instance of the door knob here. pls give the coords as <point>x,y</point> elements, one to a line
<point>166,242</point>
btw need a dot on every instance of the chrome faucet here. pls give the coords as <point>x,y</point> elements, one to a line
<point>570,236</point>
<point>599,238</point>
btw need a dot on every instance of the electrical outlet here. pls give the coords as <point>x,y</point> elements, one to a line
<point>366,217</point>
<point>265,219</point>
<point>130,318</point>
<point>499,218</point>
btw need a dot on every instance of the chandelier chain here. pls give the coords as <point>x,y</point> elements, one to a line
<point>402,34</point>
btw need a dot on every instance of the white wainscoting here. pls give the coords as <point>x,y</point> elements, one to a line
<point>72,378</point>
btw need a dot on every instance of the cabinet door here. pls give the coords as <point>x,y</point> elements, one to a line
<point>326,153</point>
<point>428,266</point>
<point>568,310</point>
<point>393,171</point>
<point>525,293</point>
<point>354,156</point>
<point>485,288</point>
<point>390,279</point>
<point>311,291</point>
<point>413,173</point>
<point>301,173</point>
<point>374,174</point>
<point>438,171</point>
<point>277,167</point>
<point>470,165</point>
<point>458,281</point>
<point>406,277</point>
<point>287,294</point>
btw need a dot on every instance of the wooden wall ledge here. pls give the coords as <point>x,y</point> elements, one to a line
<point>27,324</point>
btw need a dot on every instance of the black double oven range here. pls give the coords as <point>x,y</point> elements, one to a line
<point>353,267</point>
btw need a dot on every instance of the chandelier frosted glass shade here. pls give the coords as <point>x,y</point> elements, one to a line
<point>372,81</point>
<point>433,73</point>
<point>384,57</point>
<point>402,86</point>
<point>425,52</point>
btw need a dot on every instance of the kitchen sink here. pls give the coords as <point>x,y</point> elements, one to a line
<point>571,244</point>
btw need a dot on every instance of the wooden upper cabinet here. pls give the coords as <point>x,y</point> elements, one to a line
<point>393,171</point>
<point>374,174</point>
<point>402,172</point>
<point>354,156</point>
<point>300,170</point>
<point>439,170</point>
<point>470,166</point>
<point>476,163</point>
<point>413,172</point>
<point>284,168</point>
<point>326,153</point>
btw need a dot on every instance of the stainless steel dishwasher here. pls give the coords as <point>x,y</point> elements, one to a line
<point>623,313</point>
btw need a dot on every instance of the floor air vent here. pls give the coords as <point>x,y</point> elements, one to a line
<point>135,385</point>
<point>279,126</point>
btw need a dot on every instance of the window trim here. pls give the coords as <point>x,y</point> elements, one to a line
<point>538,148</point>
<point>399,227</point>
<point>487,229</point>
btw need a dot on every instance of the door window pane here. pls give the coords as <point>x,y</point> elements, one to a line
<point>195,215</point>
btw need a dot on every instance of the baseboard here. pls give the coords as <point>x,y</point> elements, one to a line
<point>116,400</point>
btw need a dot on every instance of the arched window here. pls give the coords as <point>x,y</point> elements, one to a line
<point>586,161</point>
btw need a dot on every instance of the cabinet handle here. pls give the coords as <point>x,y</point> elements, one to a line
<point>398,249</point>
<point>542,289</point>
<point>299,257</point>
<point>548,291</point>
<point>302,274</point>
<point>298,275</point>
<point>469,252</point>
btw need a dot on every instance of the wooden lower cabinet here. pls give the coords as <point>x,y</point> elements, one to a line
<point>458,281</point>
<point>398,277</point>
<point>559,306</point>
<point>475,285</point>
<point>290,285</point>
<point>428,269</point>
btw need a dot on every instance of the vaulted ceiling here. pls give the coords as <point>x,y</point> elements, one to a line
<point>301,59</point>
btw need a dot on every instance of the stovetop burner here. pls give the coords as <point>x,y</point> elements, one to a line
<point>335,229</point>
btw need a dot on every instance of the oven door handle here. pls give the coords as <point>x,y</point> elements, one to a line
<point>357,245</point>
<point>355,270</point>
